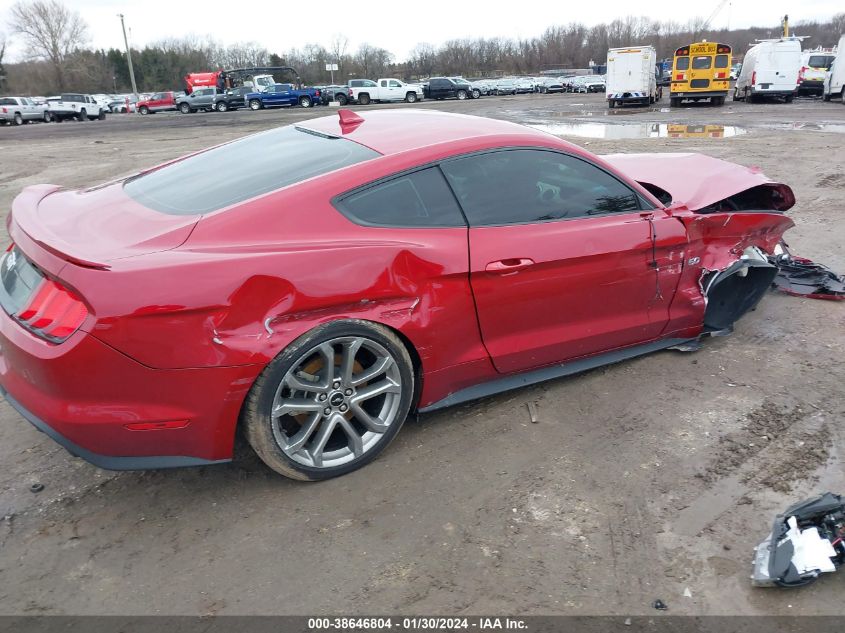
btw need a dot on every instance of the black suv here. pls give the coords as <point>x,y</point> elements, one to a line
<point>234,98</point>
<point>450,88</point>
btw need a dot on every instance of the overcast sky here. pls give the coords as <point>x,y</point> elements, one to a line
<point>394,25</point>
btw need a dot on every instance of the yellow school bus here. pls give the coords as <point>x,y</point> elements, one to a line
<point>700,71</point>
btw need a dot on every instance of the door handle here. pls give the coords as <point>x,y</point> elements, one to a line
<point>509,265</point>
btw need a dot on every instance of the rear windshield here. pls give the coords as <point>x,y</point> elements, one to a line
<point>702,62</point>
<point>820,61</point>
<point>243,169</point>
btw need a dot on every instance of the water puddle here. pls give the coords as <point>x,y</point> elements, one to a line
<point>837,128</point>
<point>637,130</point>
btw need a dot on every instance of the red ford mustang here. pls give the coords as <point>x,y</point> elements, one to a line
<point>313,283</point>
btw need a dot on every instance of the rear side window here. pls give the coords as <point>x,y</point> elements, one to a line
<point>682,63</point>
<point>246,168</point>
<point>721,61</point>
<point>702,62</point>
<point>418,199</point>
<point>8,101</point>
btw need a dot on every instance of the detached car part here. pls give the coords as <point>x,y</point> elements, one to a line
<point>807,540</point>
<point>804,278</point>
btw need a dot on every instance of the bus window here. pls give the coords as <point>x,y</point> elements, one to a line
<point>682,63</point>
<point>721,61</point>
<point>702,63</point>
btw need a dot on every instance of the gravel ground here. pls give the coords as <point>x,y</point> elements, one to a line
<point>640,481</point>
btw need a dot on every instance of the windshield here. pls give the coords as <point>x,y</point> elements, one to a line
<point>243,169</point>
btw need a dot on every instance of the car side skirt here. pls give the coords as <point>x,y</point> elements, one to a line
<point>515,381</point>
<point>108,462</point>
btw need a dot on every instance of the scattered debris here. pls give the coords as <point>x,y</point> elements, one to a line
<point>36,487</point>
<point>532,411</point>
<point>807,540</point>
<point>659,605</point>
<point>804,278</point>
<point>687,593</point>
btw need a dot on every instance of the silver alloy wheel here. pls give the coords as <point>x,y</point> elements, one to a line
<point>336,402</point>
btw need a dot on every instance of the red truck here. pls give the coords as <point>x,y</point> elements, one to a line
<point>158,102</point>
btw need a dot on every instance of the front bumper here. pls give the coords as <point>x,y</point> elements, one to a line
<point>88,397</point>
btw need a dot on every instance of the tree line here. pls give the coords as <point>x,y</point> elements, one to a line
<point>58,56</point>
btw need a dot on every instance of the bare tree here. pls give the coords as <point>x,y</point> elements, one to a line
<point>2,54</point>
<point>338,49</point>
<point>50,31</point>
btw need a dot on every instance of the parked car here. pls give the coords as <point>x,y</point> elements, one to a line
<point>280,95</point>
<point>388,89</point>
<point>524,85</point>
<point>19,110</point>
<point>733,74</point>
<point>770,69</point>
<point>591,83</point>
<point>338,94</point>
<point>506,86</point>
<point>234,98</point>
<point>235,319</point>
<point>205,99</point>
<point>450,88</point>
<point>158,102</point>
<point>71,105</point>
<point>550,84</point>
<point>834,81</point>
<point>814,67</point>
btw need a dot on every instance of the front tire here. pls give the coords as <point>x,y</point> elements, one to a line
<point>462,94</point>
<point>330,402</point>
<point>476,94</point>
<point>411,97</point>
<point>184,108</point>
<point>143,110</point>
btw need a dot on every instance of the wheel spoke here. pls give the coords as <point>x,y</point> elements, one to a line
<point>355,444</point>
<point>348,364</point>
<point>367,420</point>
<point>321,438</point>
<point>304,434</point>
<point>292,406</point>
<point>297,383</point>
<point>371,391</point>
<point>327,352</point>
<point>373,371</point>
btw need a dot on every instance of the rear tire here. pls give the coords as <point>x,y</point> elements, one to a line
<point>222,106</point>
<point>82,116</point>
<point>788,98</point>
<point>102,115</point>
<point>18,118</point>
<point>305,102</point>
<point>342,99</point>
<point>364,99</point>
<point>314,381</point>
<point>47,117</point>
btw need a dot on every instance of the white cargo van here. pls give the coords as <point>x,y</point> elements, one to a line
<point>770,68</point>
<point>632,76</point>
<point>834,80</point>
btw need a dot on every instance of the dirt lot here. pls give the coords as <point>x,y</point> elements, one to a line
<point>640,481</point>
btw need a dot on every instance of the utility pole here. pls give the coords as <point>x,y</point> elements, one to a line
<point>128,56</point>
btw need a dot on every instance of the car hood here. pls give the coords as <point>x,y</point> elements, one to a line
<point>95,226</point>
<point>694,181</point>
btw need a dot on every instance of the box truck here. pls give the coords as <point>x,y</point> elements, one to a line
<point>632,76</point>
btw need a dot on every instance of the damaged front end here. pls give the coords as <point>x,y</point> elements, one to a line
<point>807,540</point>
<point>735,290</point>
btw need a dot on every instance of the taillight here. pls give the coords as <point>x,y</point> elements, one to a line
<point>801,74</point>
<point>318,93</point>
<point>754,78</point>
<point>53,312</point>
<point>5,111</point>
<point>350,92</point>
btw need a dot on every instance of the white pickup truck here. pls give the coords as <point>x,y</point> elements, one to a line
<point>364,91</point>
<point>75,106</point>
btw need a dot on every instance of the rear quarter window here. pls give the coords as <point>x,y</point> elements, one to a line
<point>682,63</point>
<point>417,199</point>
<point>243,169</point>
